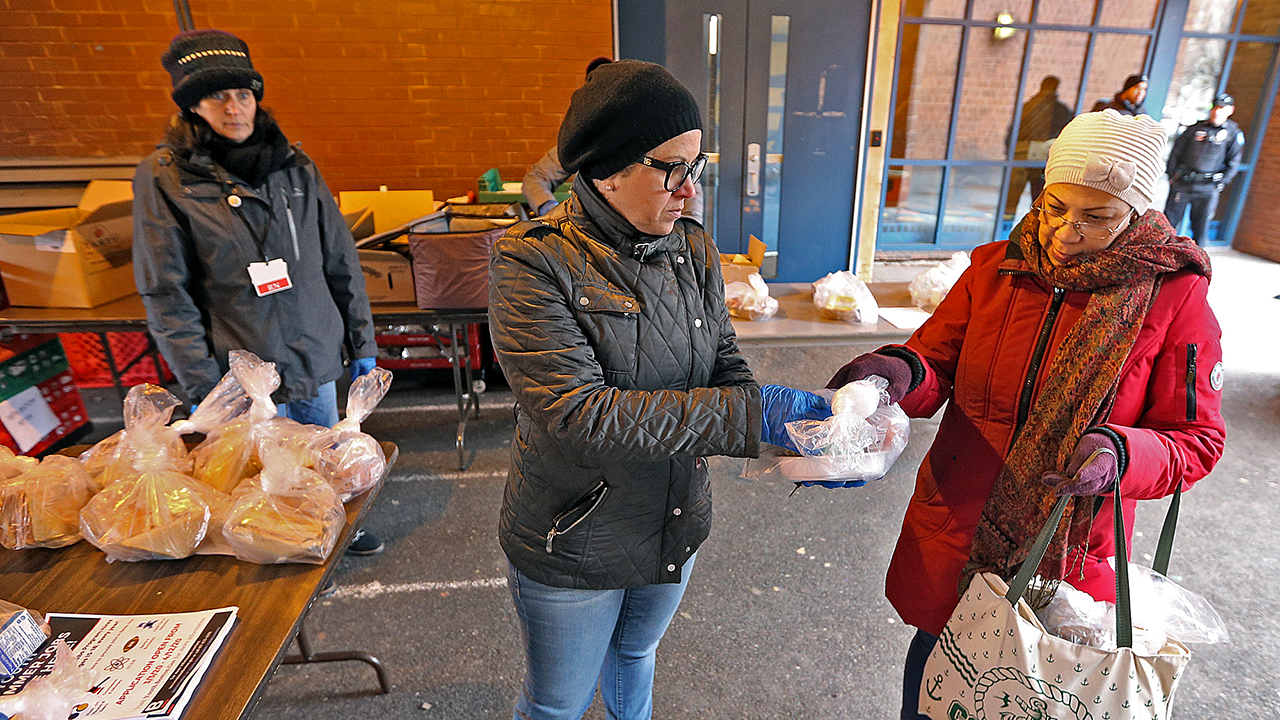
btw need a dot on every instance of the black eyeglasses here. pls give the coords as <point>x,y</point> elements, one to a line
<point>677,172</point>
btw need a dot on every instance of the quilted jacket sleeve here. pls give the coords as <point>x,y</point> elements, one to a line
<point>556,378</point>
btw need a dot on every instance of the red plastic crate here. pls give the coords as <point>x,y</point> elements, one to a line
<point>89,365</point>
<point>471,355</point>
<point>64,400</point>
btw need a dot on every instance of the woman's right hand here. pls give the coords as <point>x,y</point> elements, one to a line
<point>783,405</point>
<point>894,369</point>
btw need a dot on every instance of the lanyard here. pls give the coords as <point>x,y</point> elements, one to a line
<point>259,240</point>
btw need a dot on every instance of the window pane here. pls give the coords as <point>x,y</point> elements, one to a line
<point>780,34</point>
<point>926,86</point>
<point>1250,65</point>
<point>711,134</point>
<point>933,8</point>
<point>992,9</point>
<point>1059,54</point>
<point>1067,12</point>
<point>910,212</point>
<point>1115,57</point>
<point>1213,16</point>
<point>1129,13</point>
<point>989,94</point>
<point>972,193</point>
<point>1195,80</point>
<point>1260,18</point>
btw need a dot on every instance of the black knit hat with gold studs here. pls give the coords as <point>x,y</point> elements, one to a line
<point>202,62</point>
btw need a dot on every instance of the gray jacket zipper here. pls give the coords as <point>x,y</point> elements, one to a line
<point>293,229</point>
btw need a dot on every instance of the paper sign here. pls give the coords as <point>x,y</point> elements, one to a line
<point>27,418</point>
<point>903,317</point>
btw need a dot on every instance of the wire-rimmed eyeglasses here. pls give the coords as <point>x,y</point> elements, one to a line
<point>1087,230</point>
<point>677,172</point>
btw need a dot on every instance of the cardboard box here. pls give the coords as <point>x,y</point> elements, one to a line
<point>737,267</point>
<point>360,223</point>
<point>388,276</point>
<point>391,208</point>
<point>71,257</point>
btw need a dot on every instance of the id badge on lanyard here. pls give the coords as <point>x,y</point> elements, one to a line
<point>270,277</point>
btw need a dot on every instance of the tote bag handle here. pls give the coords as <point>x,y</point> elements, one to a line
<point>1124,620</point>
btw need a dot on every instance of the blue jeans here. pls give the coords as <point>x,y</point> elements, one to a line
<point>921,645</point>
<point>319,410</point>
<point>574,639</point>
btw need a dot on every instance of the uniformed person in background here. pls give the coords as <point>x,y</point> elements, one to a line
<point>1204,159</point>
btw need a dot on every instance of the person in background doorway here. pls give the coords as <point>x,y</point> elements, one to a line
<point>1077,356</point>
<point>544,176</point>
<point>1129,100</point>
<point>608,319</point>
<point>1204,160</point>
<point>1043,117</point>
<point>238,244</point>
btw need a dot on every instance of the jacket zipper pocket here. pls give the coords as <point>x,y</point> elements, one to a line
<point>580,511</point>
<point>1191,382</point>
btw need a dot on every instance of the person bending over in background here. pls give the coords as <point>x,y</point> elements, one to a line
<point>1076,355</point>
<point>238,244</point>
<point>609,322</point>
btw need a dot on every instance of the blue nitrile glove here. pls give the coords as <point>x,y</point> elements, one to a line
<point>1088,474</point>
<point>833,483</point>
<point>547,207</point>
<point>362,366</point>
<point>783,405</point>
<point>193,408</point>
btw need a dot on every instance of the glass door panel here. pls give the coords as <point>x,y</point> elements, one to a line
<point>1261,17</point>
<point>1129,13</point>
<point>927,60</point>
<point>1067,12</point>
<point>1250,65</point>
<point>1195,79</point>
<point>970,217</point>
<point>1058,54</point>
<point>1115,57</point>
<point>988,95</point>
<point>1210,16</point>
<point>910,212</point>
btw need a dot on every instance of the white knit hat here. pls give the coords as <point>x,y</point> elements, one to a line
<point>1117,154</point>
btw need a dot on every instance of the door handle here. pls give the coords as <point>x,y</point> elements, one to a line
<point>753,169</point>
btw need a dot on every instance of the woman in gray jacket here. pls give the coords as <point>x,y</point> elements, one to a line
<point>609,322</point>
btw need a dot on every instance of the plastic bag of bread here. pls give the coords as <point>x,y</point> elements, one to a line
<point>843,296</point>
<point>12,465</point>
<point>152,511</point>
<point>750,300</point>
<point>225,402</point>
<point>351,460</point>
<point>41,507</point>
<point>147,410</point>
<point>931,285</point>
<point>287,514</point>
<point>228,455</point>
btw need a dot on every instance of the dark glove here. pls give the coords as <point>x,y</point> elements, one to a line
<point>783,405</point>
<point>894,369</point>
<point>1094,467</point>
<point>833,483</point>
<point>362,366</point>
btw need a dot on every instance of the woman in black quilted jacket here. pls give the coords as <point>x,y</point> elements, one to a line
<point>609,321</point>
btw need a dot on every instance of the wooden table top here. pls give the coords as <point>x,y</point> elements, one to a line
<point>273,600</point>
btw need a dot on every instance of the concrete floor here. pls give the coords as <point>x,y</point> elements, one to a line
<point>785,615</point>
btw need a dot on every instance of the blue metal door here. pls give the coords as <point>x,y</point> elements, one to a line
<point>781,86</point>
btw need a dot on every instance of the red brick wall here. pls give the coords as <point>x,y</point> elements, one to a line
<point>1256,234</point>
<point>413,95</point>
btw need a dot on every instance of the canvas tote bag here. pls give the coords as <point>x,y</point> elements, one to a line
<point>995,661</point>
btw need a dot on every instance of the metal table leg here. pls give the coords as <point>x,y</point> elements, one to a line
<point>468,400</point>
<point>306,656</point>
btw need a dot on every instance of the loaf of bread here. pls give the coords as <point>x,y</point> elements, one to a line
<point>157,515</point>
<point>41,508</point>
<point>297,523</point>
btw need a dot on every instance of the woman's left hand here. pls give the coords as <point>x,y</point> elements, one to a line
<point>1094,468</point>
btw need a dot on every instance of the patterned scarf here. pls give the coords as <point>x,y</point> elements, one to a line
<point>1078,391</point>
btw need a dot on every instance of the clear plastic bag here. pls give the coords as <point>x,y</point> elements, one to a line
<point>932,285</point>
<point>228,454</point>
<point>843,296</point>
<point>227,401</point>
<point>750,300</point>
<point>52,696</point>
<point>287,514</point>
<point>41,508</point>
<point>12,465</point>
<point>152,510</point>
<point>147,410</point>
<point>351,460</point>
<point>1161,611</point>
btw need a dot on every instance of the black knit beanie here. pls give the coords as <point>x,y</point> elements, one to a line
<point>625,109</point>
<point>1133,80</point>
<point>202,62</point>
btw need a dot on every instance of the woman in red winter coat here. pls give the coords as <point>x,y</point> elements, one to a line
<point>1078,354</point>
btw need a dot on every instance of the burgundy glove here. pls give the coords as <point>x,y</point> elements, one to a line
<point>1094,467</point>
<point>894,369</point>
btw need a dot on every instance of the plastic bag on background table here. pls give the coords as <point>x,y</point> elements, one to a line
<point>52,696</point>
<point>930,286</point>
<point>750,300</point>
<point>147,411</point>
<point>843,296</point>
<point>152,510</point>
<point>12,465</point>
<point>287,514</point>
<point>859,442</point>
<point>228,455</point>
<point>352,461</point>
<point>41,508</point>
